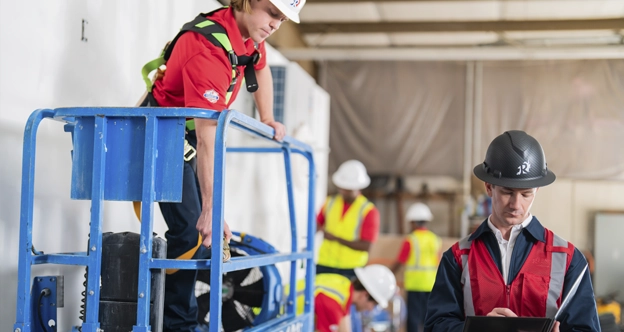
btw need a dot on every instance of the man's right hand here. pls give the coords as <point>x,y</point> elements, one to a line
<point>204,226</point>
<point>502,312</point>
<point>505,312</point>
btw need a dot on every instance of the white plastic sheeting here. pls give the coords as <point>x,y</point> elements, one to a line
<point>407,118</point>
<point>575,109</point>
<point>402,118</point>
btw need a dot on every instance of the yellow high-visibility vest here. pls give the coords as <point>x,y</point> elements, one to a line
<point>334,286</point>
<point>423,260</point>
<point>347,227</point>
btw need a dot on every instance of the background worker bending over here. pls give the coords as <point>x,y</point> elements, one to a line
<point>350,222</point>
<point>334,294</point>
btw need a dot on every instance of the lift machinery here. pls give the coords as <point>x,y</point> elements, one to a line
<point>134,154</point>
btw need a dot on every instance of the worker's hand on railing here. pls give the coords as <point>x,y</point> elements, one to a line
<point>280,129</point>
<point>204,226</point>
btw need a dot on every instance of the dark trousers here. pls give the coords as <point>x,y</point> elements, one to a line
<point>180,309</point>
<point>416,311</point>
<point>349,273</point>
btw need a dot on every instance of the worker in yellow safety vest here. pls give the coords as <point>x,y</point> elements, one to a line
<point>350,223</point>
<point>420,254</point>
<point>334,294</point>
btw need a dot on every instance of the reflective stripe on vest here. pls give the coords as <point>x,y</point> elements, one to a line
<point>463,250</point>
<point>484,288</point>
<point>334,286</point>
<point>558,267</point>
<point>422,262</point>
<point>348,227</point>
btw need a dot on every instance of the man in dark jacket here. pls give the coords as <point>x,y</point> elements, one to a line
<point>511,265</point>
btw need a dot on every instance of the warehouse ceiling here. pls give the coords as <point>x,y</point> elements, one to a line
<point>353,29</point>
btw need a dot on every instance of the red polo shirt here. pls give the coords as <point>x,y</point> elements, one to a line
<point>199,73</point>
<point>328,312</point>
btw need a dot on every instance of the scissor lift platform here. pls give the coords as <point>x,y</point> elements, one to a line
<point>135,154</point>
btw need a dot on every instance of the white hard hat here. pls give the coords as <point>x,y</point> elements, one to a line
<point>351,175</point>
<point>378,281</point>
<point>419,212</point>
<point>290,8</point>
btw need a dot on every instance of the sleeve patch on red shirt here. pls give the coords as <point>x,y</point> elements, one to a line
<point>211,96</point>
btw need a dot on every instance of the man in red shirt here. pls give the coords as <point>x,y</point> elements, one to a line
<point>199,74</point>
<point>334,294</point>
<point>350,223</point>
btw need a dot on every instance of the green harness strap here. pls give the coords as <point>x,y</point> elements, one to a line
<point>216,34</point>
<point>150,67</point>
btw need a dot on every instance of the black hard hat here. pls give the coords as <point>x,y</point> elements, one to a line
<point>515,160</point>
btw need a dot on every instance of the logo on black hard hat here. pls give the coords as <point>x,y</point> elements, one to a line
<point>525,168</point>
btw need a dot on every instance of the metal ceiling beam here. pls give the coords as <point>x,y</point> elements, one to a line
<point>389,27</point>
<point>455,53</point>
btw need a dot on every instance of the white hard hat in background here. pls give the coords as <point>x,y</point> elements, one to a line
<point>290,8</point>
<point>378,281</point>
<point>351,175</point>
<point>419,212</point>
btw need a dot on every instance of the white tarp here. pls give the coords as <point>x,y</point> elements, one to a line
<point>407,118</point>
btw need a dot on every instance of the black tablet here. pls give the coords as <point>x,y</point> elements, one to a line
<point>508,324</point>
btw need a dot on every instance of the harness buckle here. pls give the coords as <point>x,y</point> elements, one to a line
<point>189,151</point>
<point>256,57</point>
<point>233,59</point>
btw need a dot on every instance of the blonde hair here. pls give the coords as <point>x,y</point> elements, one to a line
<point>241,5</point>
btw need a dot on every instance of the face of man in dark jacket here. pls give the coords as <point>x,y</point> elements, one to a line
<point>510,206</point>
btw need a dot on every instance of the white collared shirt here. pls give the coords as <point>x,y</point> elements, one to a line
<point>507,246</point>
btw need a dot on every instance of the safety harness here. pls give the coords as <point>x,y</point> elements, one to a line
<point>215,34</point>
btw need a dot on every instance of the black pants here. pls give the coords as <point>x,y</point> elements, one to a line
<point>416,311</point>
<point>349,273</point>
<point>180,309</point>
<point>180,312</point>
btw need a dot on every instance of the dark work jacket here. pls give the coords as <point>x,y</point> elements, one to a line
<point>445,308</point>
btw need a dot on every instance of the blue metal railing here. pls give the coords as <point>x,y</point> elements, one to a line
<point>123,133</point>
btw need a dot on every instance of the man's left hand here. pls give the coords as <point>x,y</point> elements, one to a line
<point>502,312</point>
<point>280,129</point>
<point>556,327</point>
